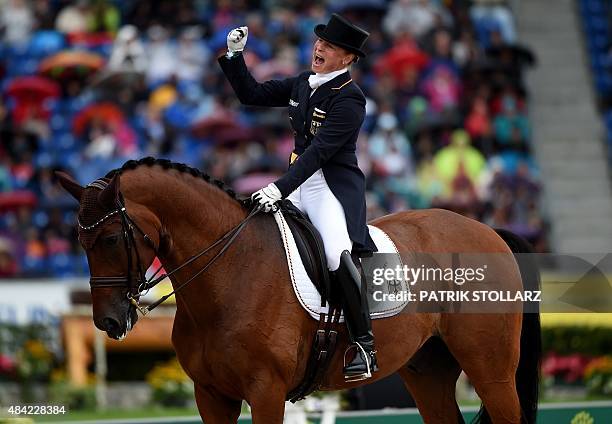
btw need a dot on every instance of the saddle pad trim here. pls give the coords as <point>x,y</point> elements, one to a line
<point>304,289</point>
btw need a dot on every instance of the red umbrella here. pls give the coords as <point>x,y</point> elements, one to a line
<point>213,124</point>
<point>402,56</point>
<point>32,88</point>
<point>105,111</point>
<point>17,199</point>
<point>71,63</point>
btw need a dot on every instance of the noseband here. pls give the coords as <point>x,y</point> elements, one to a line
<point>142,284</point>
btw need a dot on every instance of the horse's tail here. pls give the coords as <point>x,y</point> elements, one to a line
<point>528,371</point>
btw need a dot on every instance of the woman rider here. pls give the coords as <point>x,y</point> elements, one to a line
<point>326,110</point>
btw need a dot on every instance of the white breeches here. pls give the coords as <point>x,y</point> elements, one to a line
<point>315,199</point>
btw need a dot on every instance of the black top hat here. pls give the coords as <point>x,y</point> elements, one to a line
<point>341,32</point>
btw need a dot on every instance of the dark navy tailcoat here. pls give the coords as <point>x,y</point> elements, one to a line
<point>325,127</point>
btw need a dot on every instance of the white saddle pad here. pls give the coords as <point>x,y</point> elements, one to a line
<point>306,291</point>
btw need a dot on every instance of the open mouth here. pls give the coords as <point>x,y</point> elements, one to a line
<point>318,60</point>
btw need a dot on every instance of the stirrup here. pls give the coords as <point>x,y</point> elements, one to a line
<point>362,376</point>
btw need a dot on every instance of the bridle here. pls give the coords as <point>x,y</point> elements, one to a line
<point>135,291</point>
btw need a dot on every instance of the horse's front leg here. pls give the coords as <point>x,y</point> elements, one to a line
<point>267,400</point>
<point>216,408</point>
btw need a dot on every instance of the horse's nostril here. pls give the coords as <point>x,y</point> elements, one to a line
<point>110,325</point>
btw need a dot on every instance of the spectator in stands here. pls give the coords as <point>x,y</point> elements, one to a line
<point>389,149</point>
<point>104,17</point>
<point>493,15</point>
<point>16,21</point>
<point>192,56</point>
<point>511,126</point>
<point>162,63</point>
<point>74,18</point>
<point>442,88</point>
<point>415,16</point>
<point>8,264</point>
<point>423,78</point>
<point>128,52</point>
<point>102,142</point>
<point>459,157</point>
<point>479,126</point>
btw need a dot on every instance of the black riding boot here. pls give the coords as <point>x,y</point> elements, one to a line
<point>357,318</point>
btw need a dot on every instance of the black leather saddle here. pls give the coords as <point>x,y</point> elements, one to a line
<point>310,246</point>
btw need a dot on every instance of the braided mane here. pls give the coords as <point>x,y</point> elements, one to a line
<point>180,167</point>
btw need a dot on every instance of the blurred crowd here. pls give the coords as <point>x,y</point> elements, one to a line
<point>88,84</point>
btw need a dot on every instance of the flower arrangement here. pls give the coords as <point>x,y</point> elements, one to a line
<point>598,376</point>
<point>170,385</point>
<point>7,367</point>
<point>568,369</point>
<point>34,361</point>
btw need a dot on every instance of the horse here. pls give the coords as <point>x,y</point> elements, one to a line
<point>239,331</point>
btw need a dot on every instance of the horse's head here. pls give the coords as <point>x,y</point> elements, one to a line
<point>119,246</point>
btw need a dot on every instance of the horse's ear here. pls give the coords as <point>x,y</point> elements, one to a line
<point>70,185</point>
<point>110,195</point>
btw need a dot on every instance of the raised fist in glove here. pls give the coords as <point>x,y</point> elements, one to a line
<point>236,39</point>
<point>267,198</point>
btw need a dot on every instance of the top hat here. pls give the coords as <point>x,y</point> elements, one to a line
<point>342,33</point>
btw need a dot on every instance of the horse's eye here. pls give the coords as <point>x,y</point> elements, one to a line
<point>111,240</point>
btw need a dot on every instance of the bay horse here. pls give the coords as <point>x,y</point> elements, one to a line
<point>239,331</point>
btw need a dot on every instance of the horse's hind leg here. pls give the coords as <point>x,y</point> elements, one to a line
<point>215,408</point>
<point>490,358</point>
<point>431,376</point>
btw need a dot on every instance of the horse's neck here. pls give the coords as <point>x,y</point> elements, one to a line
<point>194,214</point>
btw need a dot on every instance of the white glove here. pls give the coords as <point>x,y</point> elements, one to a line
<point>236,39</point>
<point>267,198</point>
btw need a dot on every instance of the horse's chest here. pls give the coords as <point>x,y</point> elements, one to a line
<point>207,358</point>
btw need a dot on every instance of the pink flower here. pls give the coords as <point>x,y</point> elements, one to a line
<point>7,365</point>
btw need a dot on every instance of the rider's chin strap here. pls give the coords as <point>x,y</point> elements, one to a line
<point>228,237</point>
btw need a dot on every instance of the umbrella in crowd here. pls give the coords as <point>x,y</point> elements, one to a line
<point>71,64</point>
<point>104,111</point>
<point>434,123</point>
<point>213,125</point>
<point>343,6</point>
<point>512,55</point>
<point>401,57</point>
<point>32,88</point>
<point>17,199</point>
<point>111,80</point>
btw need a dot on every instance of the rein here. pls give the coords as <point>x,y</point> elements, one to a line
<point>143,284</point>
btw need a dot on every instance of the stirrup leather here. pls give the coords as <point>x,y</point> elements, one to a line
<point>366,356</point>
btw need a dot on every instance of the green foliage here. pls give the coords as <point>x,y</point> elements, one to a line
<point>74,398</point>
<point>565,340</point>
